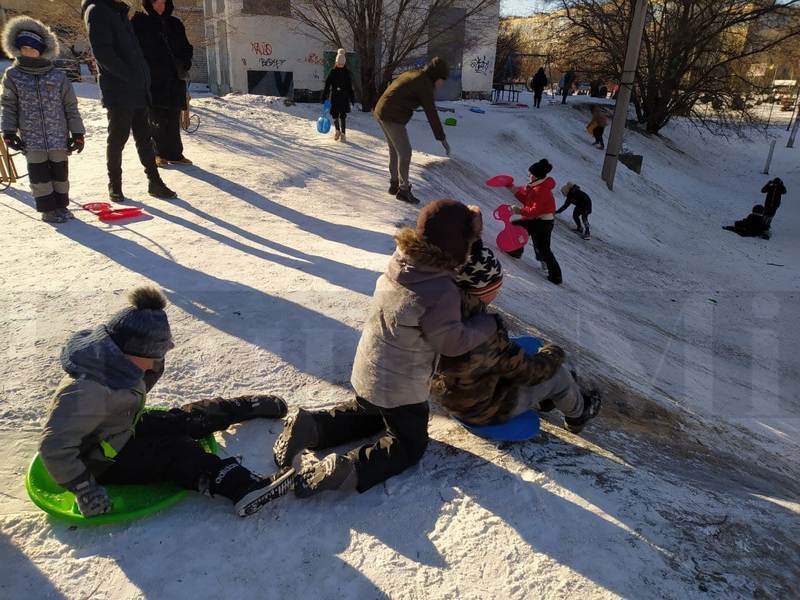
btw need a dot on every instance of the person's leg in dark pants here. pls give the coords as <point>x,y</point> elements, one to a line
<point>537,98</point>
<point>176,459</point>
<point>530,227</point>
<point>200,419</point>
<point>401,447</point>
<point>119,130</point>
<point>142,135</point>
<point>564,94</point>
<point>166,131</point>
<point>585,217</point>
<point>353,420</point>
<point>576,216</point>
<point>598,136</point>
<point>541,240</point>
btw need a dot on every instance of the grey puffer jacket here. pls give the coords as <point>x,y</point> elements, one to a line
<point>415,318</point>
<point>37,99</point>
<point>95,408</point>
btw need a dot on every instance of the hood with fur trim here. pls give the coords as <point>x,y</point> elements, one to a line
<point>147,6</point>
<point>424,254</point>
<point>24,23</point>
<point>437,68</point>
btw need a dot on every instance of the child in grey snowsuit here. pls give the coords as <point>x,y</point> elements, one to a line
<point>40,115</point>
<point>98,431</point>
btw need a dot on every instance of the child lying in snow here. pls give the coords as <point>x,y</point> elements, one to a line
<point>753,225</point>
<point>97,433</point>
<point>415,318</point>
<point>497,380</point>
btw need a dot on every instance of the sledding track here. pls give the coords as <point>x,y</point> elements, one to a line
<point>269,259</point>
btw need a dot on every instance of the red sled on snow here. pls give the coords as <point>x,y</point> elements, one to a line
<point>105,213</point>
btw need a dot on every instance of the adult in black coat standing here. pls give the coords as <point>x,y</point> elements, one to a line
<point>774,191</point>
<point>538,83</point>
<point>125,90</point>
<point>339,90</point>
<point>168,53</point>
<point>569,79</point>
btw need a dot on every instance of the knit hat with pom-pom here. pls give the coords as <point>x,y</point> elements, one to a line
<point>540,169</point>
<point>142,329</point>
<point>341,57</point>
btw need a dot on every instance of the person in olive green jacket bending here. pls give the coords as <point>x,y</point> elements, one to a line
<point>393,112</point>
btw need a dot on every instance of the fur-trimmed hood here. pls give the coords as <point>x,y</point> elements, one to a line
<point>147,6</point>
<point>421,253</point>
<point>24,23</point>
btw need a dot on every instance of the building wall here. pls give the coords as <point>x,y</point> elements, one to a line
<point>247,46</point>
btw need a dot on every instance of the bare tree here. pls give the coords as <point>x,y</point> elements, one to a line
<point>386,35</point>
<point>692,51</point>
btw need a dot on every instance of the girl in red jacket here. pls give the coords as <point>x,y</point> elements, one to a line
<point>537,212</point>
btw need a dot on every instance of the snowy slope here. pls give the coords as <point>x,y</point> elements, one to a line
<point>685,487</point>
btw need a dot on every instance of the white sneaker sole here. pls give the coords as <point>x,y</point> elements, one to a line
<point>256,500</point>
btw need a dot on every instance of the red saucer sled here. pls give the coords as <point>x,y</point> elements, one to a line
<point>105,213</point>
<point>500,181</point>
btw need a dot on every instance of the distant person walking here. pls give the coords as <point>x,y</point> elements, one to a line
<point>125,91</point>
<point>339,90</point>
<point>393,112</point>
<point>168,53</point>
<point>538,83</point>
<point>569,79</point>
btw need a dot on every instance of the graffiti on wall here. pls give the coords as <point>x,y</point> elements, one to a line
<point>272,63</point>
<point>480,64</point>
<point>312,58</point>
<point>261,48</point>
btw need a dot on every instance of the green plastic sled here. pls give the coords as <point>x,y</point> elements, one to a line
<point>128,502</point>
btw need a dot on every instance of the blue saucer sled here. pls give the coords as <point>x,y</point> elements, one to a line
<point>128,502</point>
<point>520,428</point>
<point>324,121</point>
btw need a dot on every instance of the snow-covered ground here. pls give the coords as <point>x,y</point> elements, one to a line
<point>685,487</point>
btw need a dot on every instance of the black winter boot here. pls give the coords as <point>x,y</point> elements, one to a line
<point>248,492</point>
<point>406,196</point>
<point>299,433</point>
<point>592,400</point>
<point>255,406</point>
<point>115,192</point>
<point>158,189</point>
<point>334,472</point>
<point>394,187</point>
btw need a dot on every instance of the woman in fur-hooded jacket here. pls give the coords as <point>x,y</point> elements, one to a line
<point>40,113</point>
<point>415,318</point>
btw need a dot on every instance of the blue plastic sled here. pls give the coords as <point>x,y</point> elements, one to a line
<point>324,122</point>
<point>520,428</point>
<point>480,111</point>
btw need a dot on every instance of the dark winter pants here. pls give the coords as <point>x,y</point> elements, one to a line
<point>121,121</point>
<point>540,231</point>
<point>164,447</point>
<point>598,134</point>
<point>340,123</point>
<point>48,171</point>
<point>564,94</point>
<point>166,130</point>
<point>581,219</point>
<point>537,98</point>
<point>404,440</point>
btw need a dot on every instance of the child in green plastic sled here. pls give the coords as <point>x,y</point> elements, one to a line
<point>97,433</point>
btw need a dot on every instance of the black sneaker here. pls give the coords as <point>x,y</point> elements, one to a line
<point>115,193</point>
<point>592,400</point>
<point>406,196</point>
<point>394,187</point>
<point>264,491</point>
<point>328,474</point>
<point>158,189</point>
<point>299,433</point>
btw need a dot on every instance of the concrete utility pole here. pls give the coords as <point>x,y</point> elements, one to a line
<point>624,94</point>
<point>796,126</point>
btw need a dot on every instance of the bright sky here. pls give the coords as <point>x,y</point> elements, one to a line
<point>521,7</point>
